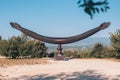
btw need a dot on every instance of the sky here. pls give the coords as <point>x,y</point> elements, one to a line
<point>55,18</point>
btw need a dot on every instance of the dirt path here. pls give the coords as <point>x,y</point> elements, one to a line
<point>76,69</point>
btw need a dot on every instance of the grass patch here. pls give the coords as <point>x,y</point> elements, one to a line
<point>11,62</point>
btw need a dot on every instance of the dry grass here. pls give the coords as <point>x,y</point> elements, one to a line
<point>11,62</point>
<point>113,59</point>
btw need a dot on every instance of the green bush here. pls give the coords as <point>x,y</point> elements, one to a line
<point>84,53</point>
<point>39,49</point>
<point>115,41</point>
<point>51,54</point>
<point>4,47</point>
<point>70,53</point>
<point>21,47</point>
<point>97,51</point>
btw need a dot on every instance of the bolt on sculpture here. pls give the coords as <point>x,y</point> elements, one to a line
<point>60,40</point>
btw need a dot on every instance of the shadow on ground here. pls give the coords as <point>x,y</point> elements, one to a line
<point>86,75</point>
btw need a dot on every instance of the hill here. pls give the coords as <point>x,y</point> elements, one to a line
<point>87,43</point>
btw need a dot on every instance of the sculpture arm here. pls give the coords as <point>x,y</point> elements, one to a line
<point>32,34</point>
<point>91,32</point>
<point>59,40</point>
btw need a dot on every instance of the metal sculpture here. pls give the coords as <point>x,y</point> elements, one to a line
<point>0,38</point>
<point>60,40</point>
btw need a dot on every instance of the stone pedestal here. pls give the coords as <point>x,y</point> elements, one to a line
<point>58,57</point>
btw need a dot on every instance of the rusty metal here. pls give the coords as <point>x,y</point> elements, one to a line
<point>60,40</point>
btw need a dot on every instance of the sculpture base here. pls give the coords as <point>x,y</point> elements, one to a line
<point>59,57</point>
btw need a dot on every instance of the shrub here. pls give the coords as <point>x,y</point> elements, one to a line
<point>86,53</point>
<point>97,51</point>
<point>21,47</point>
<point>115,41</point>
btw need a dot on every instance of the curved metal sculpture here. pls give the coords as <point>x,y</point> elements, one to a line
<point>60,40</point>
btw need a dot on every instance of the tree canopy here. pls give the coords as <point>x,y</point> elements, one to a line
<point>22,46</point>
<point>91,7</point>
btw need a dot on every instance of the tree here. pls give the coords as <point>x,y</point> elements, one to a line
<point>22,47</point>
<point>26,48</point>
<point>13,47</point>
<point>39,49</point>
<point>91,7</point>
<point>115,41</point>
<point>97,51</point>
<point>4,48</point>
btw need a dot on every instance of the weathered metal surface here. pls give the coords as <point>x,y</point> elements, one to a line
<point>0,38</point>
<point>60,40</point>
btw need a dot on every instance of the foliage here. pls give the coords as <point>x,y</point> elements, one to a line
<point>68,53</point>
<point>51,54</point>
<point>98,51</point>
<point>91,7</point>
<point>13,48</point>
<point>115,41</point>
<point>25,49</point>
<point>22,47</point>
<point>77,54</point>
<point>86,53</point>
<point>4,48</point>
<point>109,52</point>
<point>39,49</point>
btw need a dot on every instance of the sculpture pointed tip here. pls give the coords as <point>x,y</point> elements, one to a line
<point>15,25</point>
<point>104,25</point>
<point>11,23</point>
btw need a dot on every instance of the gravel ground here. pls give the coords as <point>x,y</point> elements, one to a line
<point>74,69</point>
